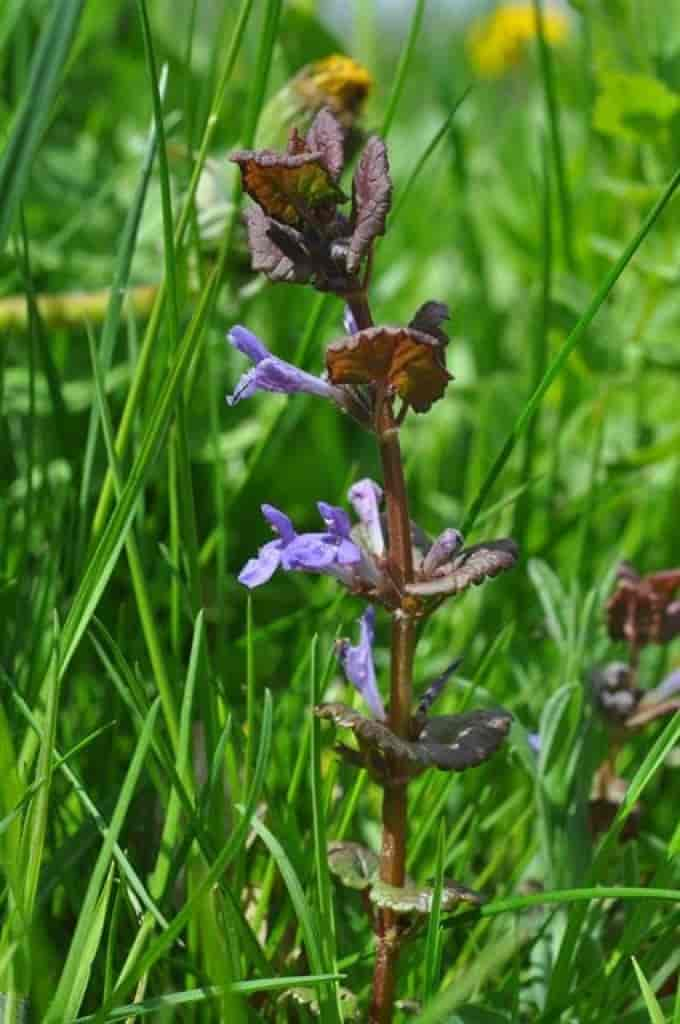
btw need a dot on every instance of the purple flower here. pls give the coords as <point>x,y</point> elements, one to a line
<point>269,373</point>
<point>365,496</point>
<point>357,663</point>
<point>666,690</point>
<point>443,547</point>
<point>348,321</point>
<point>331,552</point>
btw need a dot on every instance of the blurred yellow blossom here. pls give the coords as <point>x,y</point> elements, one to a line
<point>497,42</point>
<point>338,82</point>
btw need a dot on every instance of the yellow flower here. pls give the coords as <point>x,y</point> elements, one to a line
<point>337,82</point>
<point>498,41</point>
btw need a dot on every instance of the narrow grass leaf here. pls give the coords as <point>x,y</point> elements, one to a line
<point>34,112</point>
<point>201,995</point>
<point>89,950</point>
<point>105,556</point>
<point>329,1000</point>
<point>61,763</point>
<point>303,911</point>
<point>119,285</point>
<point>35,827</point>
<point>424,157</point>
<point>433,938</point>
<point>655,1012</point>
<point>79,946</point>
<point>403,66</point>
<point>217,869</point>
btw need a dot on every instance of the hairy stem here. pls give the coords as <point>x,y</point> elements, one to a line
<point>395,806</point>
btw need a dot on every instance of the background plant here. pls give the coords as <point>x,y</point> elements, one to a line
<point>481,223</point>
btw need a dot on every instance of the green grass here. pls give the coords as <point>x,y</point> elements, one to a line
<point>165,795</point>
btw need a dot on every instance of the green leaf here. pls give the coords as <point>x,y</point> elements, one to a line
<point>89,950</point>
<point>651,1002</point>
<point>355,865</point>
<point>36,107</point>
<point>304,38</point>
<point>634,106</point>
<point>81,950</point>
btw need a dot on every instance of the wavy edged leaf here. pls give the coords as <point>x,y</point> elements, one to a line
<point>418,899</point>
<point>447,742</point>
<point>371,200</point>
<point>456,742</point>
<point>307,998</point>
<point>428,319</point>
<point>355,865</point>
<point>469,568</point>
<point>283,182</point>
<point>276,249</point>
<point>325,136</point>
<point>403,361</point>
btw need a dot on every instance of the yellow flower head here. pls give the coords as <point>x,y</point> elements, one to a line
<point>337,82</point>
<point>498,41</point>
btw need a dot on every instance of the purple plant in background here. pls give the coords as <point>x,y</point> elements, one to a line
<point>642,610</point>
<point>301,231</point>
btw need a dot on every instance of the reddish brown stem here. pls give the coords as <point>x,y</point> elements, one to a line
<point>395,806</point>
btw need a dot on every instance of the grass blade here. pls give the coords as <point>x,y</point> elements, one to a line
<point>655,1012</point>
<point>403,67</point>
<point>33,115</point>
<point>80,948</point>
<point>569,345</point>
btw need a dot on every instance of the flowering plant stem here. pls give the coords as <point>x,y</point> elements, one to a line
<point>403,643</point>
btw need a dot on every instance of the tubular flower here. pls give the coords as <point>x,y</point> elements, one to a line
<point>269,373</point>
<point>357,663</point>
<point>497,43</point>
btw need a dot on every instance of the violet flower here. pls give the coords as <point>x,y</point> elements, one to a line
<point>366,496</point>
<point>269,373</point>
<point>357,663</point>
<point>332,552</point>
<point>349,322</point>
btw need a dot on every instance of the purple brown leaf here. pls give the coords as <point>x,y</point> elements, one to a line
<point>470,567</point>
<point>326,137</point>
<point>428,319</point>
<point>371,200</point>
<point>447,742</point>
<point>275,249</point>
